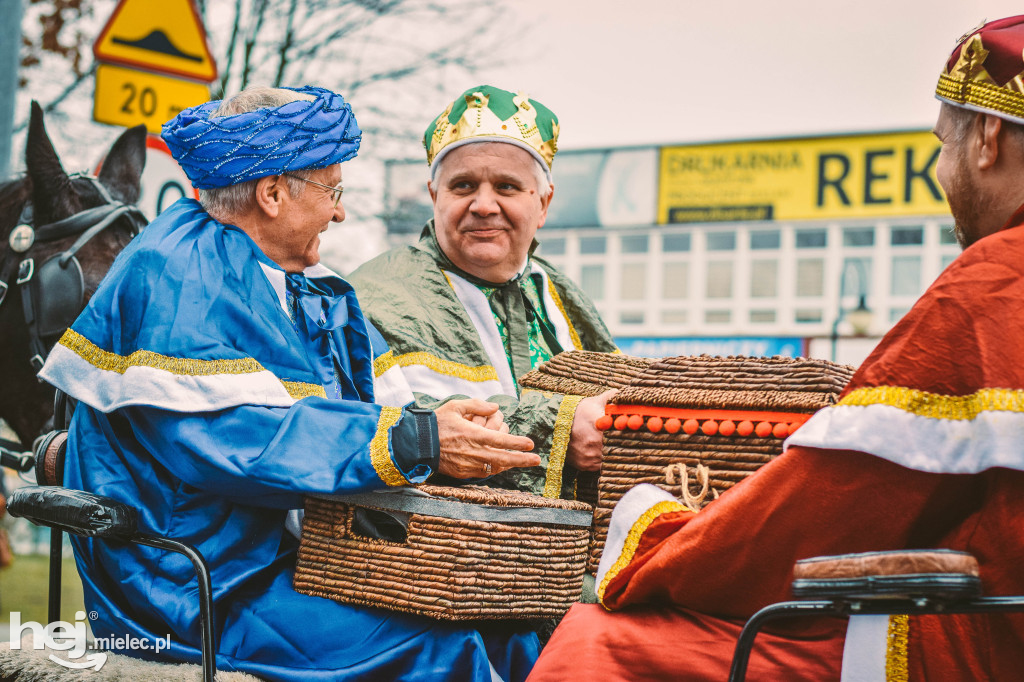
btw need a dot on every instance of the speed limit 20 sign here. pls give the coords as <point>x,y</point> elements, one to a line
<point>153,63</point>
<point>128,97</point>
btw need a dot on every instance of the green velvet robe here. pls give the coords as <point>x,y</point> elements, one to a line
<point>443,335</point>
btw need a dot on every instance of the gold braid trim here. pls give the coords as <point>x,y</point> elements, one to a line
<point>561,308</point>
<point>633,540</point>
<point>112,362</point>
<point>560,444</point>
<point>984,95</point>
<point>936,406</point>
<point>383,363</point>
<point>446,367</point>
<point>380,454</point>
<point>300,390</point>
<point>896,669</point>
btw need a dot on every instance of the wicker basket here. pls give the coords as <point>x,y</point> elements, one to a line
<point>696,426</point>
<point>469,553</point>
<point>586,373</point>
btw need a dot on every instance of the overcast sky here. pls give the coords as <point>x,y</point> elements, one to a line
<point>622,72</point>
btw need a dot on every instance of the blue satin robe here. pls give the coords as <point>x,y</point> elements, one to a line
<point>220,476</point>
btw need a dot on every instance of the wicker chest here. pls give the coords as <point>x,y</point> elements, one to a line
<point>692,425</point>
<point>469,553</point>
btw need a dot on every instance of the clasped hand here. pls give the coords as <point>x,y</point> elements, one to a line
<point>475,442</point>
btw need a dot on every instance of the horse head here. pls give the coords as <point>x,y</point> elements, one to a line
<point>60,235</point>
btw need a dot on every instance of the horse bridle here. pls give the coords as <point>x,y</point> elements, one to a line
<point>53,294</point>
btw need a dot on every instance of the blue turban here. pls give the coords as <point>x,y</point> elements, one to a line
<point>217,151</point>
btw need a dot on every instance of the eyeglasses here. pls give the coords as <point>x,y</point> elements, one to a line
<point>336,191</point>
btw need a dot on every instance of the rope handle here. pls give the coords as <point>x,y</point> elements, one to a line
<point>702,477</point>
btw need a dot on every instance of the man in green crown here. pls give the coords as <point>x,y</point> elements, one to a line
<point>469,309</point>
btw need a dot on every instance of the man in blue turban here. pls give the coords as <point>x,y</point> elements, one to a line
<point>221,373</point>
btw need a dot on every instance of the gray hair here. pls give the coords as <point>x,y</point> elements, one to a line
<point>540,173</point>
<point>233,199</point>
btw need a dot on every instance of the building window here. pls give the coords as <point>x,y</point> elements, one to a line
<point>764,277</point>
<point>947,235</point>
<point>634,243</point>
<point>808,315</point>
<point>946,260</point>
<point>592,281</point>
<point>856,277</point>
<point>859,236</point>
<point>719,284</point>
<point>765,239</point>
<point>675,243</point>
<point>810,277</point>
<point>673,317</point>
<point>811,239</point>
<point>717,316</point>
<point>675,279</point>
<point>762,316</point>
<point>554,246</point>
<point>721,241</point>
<point>592,245</point>
<point>906,276</point>
<point>907,236</point>
<point>632,285</point>
<point>631,318</point>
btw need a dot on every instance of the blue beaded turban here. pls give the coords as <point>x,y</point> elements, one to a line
<point>217,151</point>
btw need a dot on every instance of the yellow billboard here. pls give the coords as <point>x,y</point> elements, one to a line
<point>852,176</point>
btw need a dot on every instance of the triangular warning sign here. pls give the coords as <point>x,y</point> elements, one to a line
<point>167,37</point>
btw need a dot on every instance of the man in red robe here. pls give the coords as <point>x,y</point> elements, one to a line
<point>925,449</point>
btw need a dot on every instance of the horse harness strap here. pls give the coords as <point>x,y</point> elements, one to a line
<point>52,294</point>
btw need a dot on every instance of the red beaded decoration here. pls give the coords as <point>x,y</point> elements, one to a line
<point>763,429</point>
<point>604,422</point>
<point>727,428</point>
<point>635,422</point>
<point>780,430</point>
<point>690,426</point>
<point>620,422</point>
<point>745,428</point>
<point>709,428</point>
<point>672,425</point>
<point>654,424</point>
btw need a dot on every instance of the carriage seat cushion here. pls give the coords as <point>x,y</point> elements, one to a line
<point>897,574</point>
<point>33,665</point>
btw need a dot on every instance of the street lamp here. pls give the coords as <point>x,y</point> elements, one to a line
<point>859,317</point>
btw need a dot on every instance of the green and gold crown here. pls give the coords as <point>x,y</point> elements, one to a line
<point>986,70</point>
<point>489,114</point>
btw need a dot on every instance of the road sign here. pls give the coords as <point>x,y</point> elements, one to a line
<point>127,97</point>
<point>167,37</point>
<point>163,181</point>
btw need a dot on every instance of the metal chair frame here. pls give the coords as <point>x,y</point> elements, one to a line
<point>20,505</point>
<point>860,606</point>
